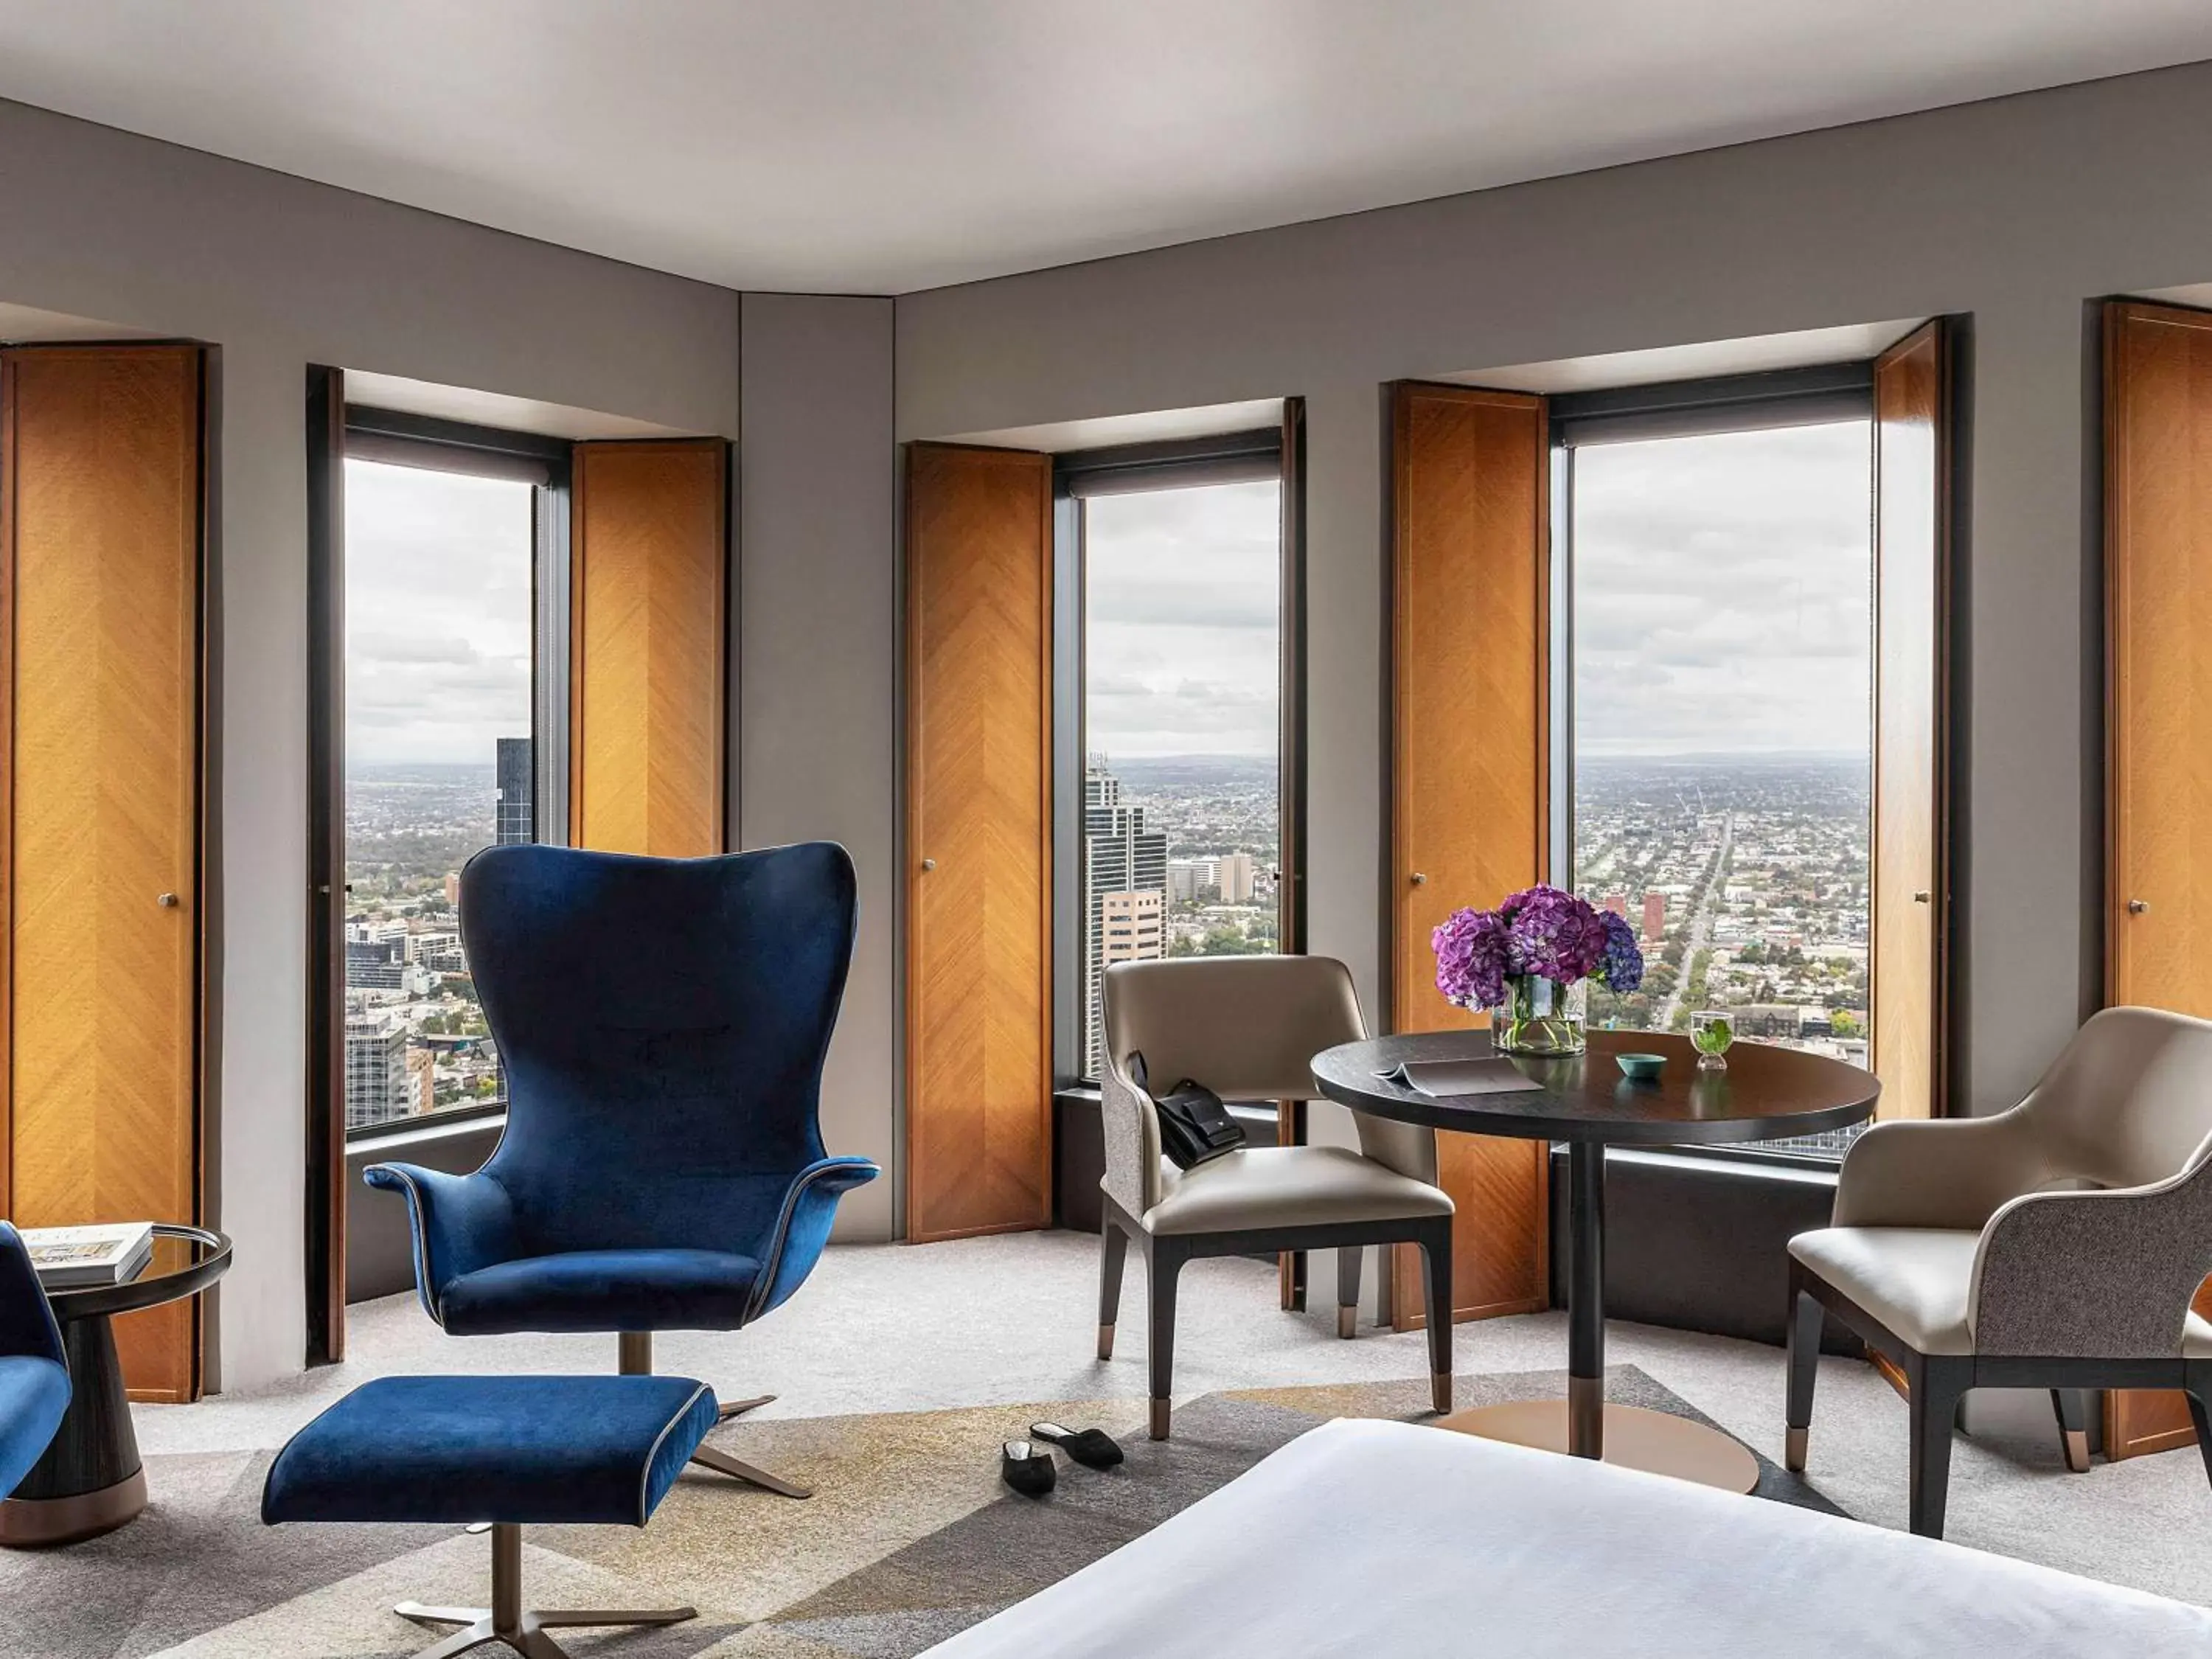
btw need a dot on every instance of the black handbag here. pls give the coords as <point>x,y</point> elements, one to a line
<point>1195,1126</point>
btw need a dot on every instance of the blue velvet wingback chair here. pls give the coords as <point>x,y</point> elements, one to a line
<point>35,1379</point>
<point>662,1024</point>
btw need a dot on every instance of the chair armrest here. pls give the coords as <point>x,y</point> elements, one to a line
<point>2098,1275</point>
<point>27,1329</point>
<point>461,1223</point>
<point>802,1227</point>
<point>1938,1172</point>
<point>1131,1126</point>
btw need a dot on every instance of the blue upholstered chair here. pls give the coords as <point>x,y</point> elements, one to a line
<point>663,1023</point>
<point>35,1379</point>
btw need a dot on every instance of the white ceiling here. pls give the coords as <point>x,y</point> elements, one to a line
<point>879,146</point>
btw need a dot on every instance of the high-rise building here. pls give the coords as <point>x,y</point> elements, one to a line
<point>1232,875</point>
<point>376,1072</point>
<point>453,889</point>
<point>1189,880</point>
<point>1654,917</point>
<point>1132,927</point>
<point>376,965</point>
<point>511,822</point>
<point>422,1079</point>
<point>1618,904</point>
<point>1123,859</point>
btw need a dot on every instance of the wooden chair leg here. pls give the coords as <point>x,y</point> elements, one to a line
<point>1806,1319</point>
<point>1113,1252</point>
<point>1932,1411</point>
<point>1348,1260</point>
<point>1437,1275</point>
<point>1164,1260</point>
<point>2073,1412</point>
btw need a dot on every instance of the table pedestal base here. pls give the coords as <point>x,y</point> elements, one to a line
<point>1658,1442</point>
<point>30,1523</point>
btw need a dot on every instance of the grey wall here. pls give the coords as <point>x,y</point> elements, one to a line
<point>818,620</point>
<point>2014,210</point>
<point>279,273</point>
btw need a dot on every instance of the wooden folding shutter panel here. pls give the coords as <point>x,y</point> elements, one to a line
<point>979,841</point>
<point>648,580</point>
<point>2158,585</point>
<point>100,518</point>
<point>1470,790</point>
<point>1911,592</point>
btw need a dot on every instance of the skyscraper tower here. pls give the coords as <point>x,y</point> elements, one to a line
<point>516,788</point>
<point>1122,859</point>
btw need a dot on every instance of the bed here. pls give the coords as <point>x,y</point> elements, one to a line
<point>1378,1539</point>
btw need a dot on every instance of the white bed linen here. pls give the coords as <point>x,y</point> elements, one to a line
<point>1380,1539</point>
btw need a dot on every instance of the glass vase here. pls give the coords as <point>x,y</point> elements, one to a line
<point>1539,1017</point>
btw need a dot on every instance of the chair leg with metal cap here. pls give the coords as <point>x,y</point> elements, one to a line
<point>507,1621</point>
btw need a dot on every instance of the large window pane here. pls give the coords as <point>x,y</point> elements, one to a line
<point>1723,662</point>
<point>1183,787</point>
<point>438,764</point>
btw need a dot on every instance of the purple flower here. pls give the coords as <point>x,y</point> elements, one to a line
<point>1622,969</point>
<point>1552,934</point>
<point>1471,958</point>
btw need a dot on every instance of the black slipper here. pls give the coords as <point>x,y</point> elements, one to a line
<point>1027,1469</point>
<point>1093,1448</point>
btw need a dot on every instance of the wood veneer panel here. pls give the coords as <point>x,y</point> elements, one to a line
<point>1911,898</point>
<point>2158,522</point>
<point>1470,790</point>
<point>648,677</point>
<point>101,460</point>
<point>979,803</point>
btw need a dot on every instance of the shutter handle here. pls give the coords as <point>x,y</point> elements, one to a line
<point>2136,907</point>
<point>929,864</point>
<point>1920,898</point>
<point>1420,880</point>
<point>167,901</point>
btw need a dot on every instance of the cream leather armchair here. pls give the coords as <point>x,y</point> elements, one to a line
<point>1247,1028</point>
<point>2057,1245</point>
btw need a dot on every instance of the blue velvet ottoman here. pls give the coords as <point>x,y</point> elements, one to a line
<point>511,1450</point>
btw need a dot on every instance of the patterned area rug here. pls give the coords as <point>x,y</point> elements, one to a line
<point>908,1539</point>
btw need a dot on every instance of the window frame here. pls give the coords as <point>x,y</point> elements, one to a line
<point>399,438</point>
<point>1769,400</point>
<point>1242,457</point>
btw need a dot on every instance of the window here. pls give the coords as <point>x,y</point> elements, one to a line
<point>1721,651</point>
<point>440,747</point>
<point>1182,842</point>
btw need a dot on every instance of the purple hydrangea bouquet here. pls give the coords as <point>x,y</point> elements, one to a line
<point>1530,961</point>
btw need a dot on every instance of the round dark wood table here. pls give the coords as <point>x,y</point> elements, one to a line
<point>90,1480</point>
<point>1765,1093</point>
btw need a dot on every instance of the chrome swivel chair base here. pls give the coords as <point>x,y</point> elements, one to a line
<point>636,1361</point>
<point>508,1622</point>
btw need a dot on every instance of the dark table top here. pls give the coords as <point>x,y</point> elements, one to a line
<point>186,1261</point>
<point>1767,1093</point>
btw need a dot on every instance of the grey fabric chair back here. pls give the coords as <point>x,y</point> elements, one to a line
<point>1247,1028</point>
<point>2129,1102</point>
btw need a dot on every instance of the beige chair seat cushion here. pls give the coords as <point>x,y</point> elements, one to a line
<point>1915,1280</point>
<point>1257,1187</point>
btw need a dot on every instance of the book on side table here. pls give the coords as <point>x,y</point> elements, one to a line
<point>70,1258</point>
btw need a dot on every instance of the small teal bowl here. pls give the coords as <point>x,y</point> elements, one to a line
<point>1643,1068</point>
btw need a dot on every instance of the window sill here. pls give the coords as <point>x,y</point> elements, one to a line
<point>424,1131</point>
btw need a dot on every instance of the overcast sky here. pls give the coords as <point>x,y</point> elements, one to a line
<point>438,622</point>
<point>1722,591</point>
<point>1183,598</point>
<point>1722,587</point>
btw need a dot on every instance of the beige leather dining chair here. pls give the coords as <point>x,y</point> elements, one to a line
<point>1247,1028</point>
<point>2057,1245</point>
